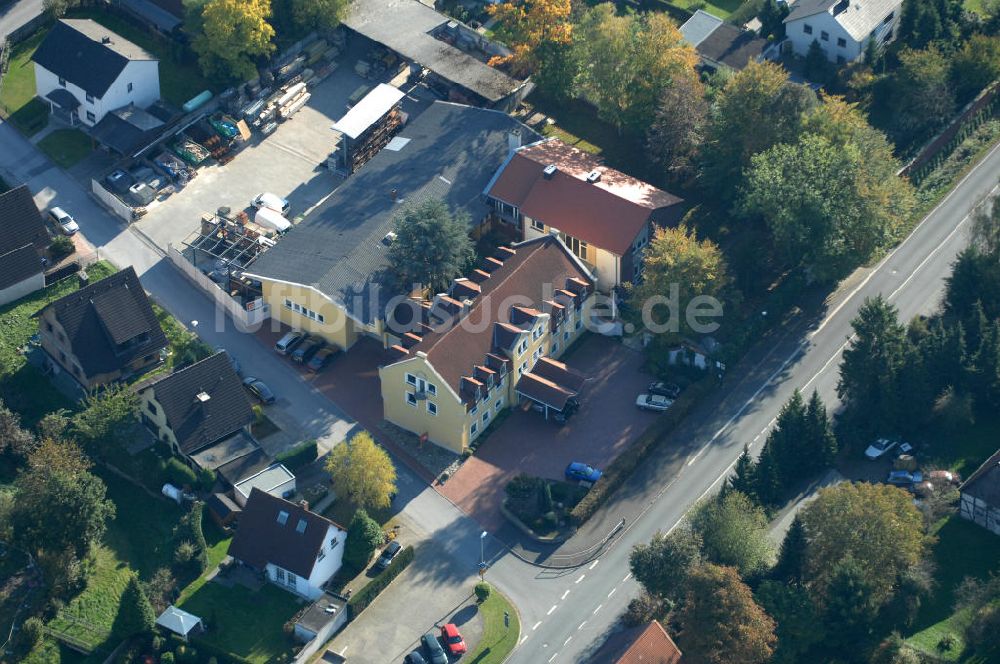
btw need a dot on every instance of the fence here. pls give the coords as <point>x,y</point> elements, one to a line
<point>246,321</point>
<point>112,202</point>
<point>979,110</point>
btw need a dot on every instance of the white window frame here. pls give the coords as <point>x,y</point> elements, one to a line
<point>411,380</point>
<point>432,389</point>
<point>279,574</point>
<point>411,399</point>
<point>474,409</point>
<point>432,408</point>
<point>486,417</point>
<point>499,405</point>
<point>474,429</point>
<point>538,225</point>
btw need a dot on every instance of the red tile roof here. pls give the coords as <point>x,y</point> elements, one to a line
<point>640,645</point>
<point>608,213</point>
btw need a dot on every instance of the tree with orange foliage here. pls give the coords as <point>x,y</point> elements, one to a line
<point>525,25</point>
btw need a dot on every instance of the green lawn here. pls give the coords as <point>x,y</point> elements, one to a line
<point>720,8</point>
<point>183,345</point>
<point>218,547</point>
<point>179,80</point>
<point>245,622</point>
<point>962,549</point>
<point>975,6</point>
<point>23,387</point>
<point>66,147</point>
<point>497,641</point>
<point>965,450</point>
<point>17,91</point>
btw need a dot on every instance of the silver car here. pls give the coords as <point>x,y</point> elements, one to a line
<point>64,221</point>
<point>655,402</point>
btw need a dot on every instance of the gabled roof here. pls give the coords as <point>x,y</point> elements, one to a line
<point>648,644</point>
<point>985,482</point>
<point>197,422</point>
<point>262,538</point>
<point>19,264</point>
<point>20,221</point>
<point>339,247</point>
<point>731,46</point>
<point>528,275</point>
<point>858,17</point>
<point>87,54</point>
<point>608,213</point>
<point>127,129</point>
<point>94,316</point>
<point>697,28</point>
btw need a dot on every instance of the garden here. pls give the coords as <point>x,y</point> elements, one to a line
<point>542,505</point>
<point>17,92</point>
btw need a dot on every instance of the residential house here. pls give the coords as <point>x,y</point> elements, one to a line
<point>645,644</point>
<point>490,343</point>
<point>980,501</point>
<point>722,45</point>
<point>604,216</point>
<point>23,240</point>
<point>842,28</point>
<point>84,71</point>
<point>103,332</point>
<point>327,275</point>
<point>296,549</point>
<point>275,480</point>
<point>196,407</point>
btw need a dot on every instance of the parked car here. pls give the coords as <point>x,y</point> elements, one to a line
<point>64,221</point>
<point>287,343</point>
<point>272,201</point>
<point>654,402</point>
<point>904,477</point>
<point>415,658</point>
<point>879,448</point>
<point>259,389</point>
<point>664,389</point>
<point>453,640</point>
<point>582,472</point>
<point>433,648</point>
<point>321,358</point>
<point>388,553</point>
<point>307,349</point>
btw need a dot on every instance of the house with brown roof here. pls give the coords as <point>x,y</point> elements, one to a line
<point>23,240</point>
<point>604,216</point>
<point>489,343</point>
<point>980,501</point>
<point>649,644</point>
<point>103,332</point>
<point>294,548</point>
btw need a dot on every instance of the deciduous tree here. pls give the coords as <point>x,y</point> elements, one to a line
<point>720,621</point>
<point>663,565</point>
<point>922,98</point>
<point>231,34</point>
<point>631,59</point>
<point>876,526</point>
<point>975,65</point>
<point>362,471</point>
<point>14,440</point>
<point>529,27</point>
<point>106,416</point>
<point>733,530</point>
<point>677,131</point>
<point>322,14</point>
<point>432,246</point>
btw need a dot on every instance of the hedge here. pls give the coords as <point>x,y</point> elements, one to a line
<point>360,600</point>
<point>619,470</point>
<point>302,454</point>
<point>179,474</point>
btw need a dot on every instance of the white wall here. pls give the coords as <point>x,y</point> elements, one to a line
<point>795,31</point>
<point>322,570</point>
<point>22,288</point>
<point>142,74</point>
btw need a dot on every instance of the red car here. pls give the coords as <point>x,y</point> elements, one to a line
<point>453,640</point>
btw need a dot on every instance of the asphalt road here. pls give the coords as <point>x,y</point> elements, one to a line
<point>16,14</point>
<point>564,614</point>
<point>567,617</point>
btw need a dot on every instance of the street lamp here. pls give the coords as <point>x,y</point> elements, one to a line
<point>482,555</point>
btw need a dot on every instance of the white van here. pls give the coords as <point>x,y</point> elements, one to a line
<point>272,201</point>
<point>272,219</point>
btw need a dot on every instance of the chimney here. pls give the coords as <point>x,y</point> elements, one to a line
<point>549,171</point>
<point>513,141</point>
<point>304,504</point>
<point>105,40</point>
<point>394,195</point>
<point>594,176</point>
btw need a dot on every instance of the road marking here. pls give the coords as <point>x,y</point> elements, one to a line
<point>594,564</point>
<point>582,577</point>
<point>613,591</point>
<point>535,626</point>
<point>566,642</point>
<point>552,609</point>
<point>564,595</point>
<point>553,657</point>
<point>523,639</point>
<point>627,577</point>
<point>581,625</point>
<point>597,609</point>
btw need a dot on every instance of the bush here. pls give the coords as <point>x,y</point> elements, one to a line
<point>61,247</point>
<point>167,658</point>
<point>364,535</point>
<point>302,454</point>
<point>206,479</point>
<point>189,531</point>
<point>179,474</point>
<point>360,600</point>
<point>622,468</point>
<point>483,590</point>
<point>29,636</point>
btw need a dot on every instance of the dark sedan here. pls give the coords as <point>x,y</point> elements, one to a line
<point>257,388</point>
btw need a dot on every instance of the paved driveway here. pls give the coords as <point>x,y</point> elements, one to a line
<point>525,443</point>
<point>16,14</point>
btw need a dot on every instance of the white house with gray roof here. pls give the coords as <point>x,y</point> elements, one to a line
<point>842,28</point>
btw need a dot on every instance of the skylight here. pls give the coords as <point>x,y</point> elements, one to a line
<point>282,517</point>
<point>300,527</point>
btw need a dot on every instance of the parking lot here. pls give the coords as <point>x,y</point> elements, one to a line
<point>607,422</point>
<point>290,162</point>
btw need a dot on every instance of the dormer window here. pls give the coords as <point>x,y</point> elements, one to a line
<point>300,527</point>
<point>282,517</point>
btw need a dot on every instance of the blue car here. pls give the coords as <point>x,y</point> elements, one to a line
<point>581,472</point>
<point>904,477</point>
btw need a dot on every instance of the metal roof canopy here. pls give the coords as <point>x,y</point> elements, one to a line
<point>368,111</point>
<point>226,244</point>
